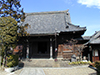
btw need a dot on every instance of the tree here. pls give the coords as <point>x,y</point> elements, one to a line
<point>77,48</point>
<point>8,34</point>
<point>13,8</point>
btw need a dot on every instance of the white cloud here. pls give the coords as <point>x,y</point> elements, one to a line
<point>68,1</point>
<point>90,3</point>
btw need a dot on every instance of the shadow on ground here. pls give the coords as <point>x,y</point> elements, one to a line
<point>93,69</point>
<point>21,64</point>
<point>93,74</point>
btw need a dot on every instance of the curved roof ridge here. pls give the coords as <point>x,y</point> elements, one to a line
<point>76,25</point>
<point>48,12</point>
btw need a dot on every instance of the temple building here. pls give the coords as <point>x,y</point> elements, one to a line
<point>52,35</point>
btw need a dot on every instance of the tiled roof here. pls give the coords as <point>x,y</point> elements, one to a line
<point>86,37</point>
<point>49,22</point>
<point>95,39</point>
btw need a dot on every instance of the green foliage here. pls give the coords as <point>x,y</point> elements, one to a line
<point>13,8</point>
<point>8,30</point>
<point>97,64</point>
<point>11,24</point>
<point>12,60</point>
<point>0,50</point>
<point>79,62</point>
<point>92,64</point>
<point>2,54</point>
<point>8,34</point>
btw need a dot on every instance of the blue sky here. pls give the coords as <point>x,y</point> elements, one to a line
<point>82,12</point>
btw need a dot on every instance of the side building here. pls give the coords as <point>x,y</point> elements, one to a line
<point>94,47</point>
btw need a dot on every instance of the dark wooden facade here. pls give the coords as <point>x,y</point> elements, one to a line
<point>65,48</point>
<point>93,46</point>
<point>95,52</point>
<point>39,46</point>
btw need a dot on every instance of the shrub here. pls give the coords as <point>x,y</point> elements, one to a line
<point>92,64</point>
<point>97,64</point>
<point>0,50</point>
<point>79,62</point>
<point>12,60</point>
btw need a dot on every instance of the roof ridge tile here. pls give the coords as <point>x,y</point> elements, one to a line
<point>48,12</point>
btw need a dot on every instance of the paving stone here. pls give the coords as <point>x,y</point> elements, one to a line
<point>45,63</point>
<point>82,70</point>
<point>32,71</point>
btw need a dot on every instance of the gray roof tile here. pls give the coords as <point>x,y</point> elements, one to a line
<point>95,39</point>
<point>86,37</point>
<point>47,22</point>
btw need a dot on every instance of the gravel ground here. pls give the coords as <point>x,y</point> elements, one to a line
<point>73,71</point>
<point>17,72</point>
<point>45,63</point>
<point>52,71</point>
<point>50,67</point>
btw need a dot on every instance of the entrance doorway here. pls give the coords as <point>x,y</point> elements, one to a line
<point>42,47</point>
<point>39,49</point>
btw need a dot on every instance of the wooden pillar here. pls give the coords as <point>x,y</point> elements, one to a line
<point>91,51</point>
<point>88,57</point>
<point>27,54</point>
<point>94,55</point>
<point>27,51</point>
<point>81,56</point>
<point>51,48</point>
